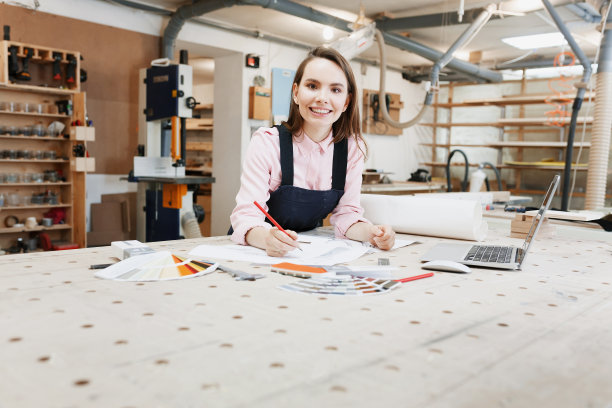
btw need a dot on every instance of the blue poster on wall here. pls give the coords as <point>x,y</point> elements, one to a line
<point>282,79</point>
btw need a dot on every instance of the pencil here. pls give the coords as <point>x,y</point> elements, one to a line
<point>273,221</point>
<point>411,278</point>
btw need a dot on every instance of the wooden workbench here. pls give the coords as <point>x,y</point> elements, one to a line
<point>540,337</point>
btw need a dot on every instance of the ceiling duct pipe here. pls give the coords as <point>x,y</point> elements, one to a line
<point>602,127</point>
<point>463,39</point>
<point>586,76</point>
<point>184,13</point>
<point>288,7</point>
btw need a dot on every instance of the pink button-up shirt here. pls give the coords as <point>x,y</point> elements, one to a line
<point>312,170</point>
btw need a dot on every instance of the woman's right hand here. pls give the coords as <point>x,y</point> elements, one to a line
<point>277,243</point>
<point>274,241</point>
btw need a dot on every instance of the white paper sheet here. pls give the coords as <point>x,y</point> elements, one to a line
<point>448,218</point>
<point>319,251</point>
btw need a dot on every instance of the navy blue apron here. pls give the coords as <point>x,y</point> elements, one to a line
<point>297,208</point>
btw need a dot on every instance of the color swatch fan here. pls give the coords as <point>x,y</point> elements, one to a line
<point>341,285</point>
<point>156,266</point>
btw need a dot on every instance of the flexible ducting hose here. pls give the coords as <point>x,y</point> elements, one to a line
<point>191,228</point>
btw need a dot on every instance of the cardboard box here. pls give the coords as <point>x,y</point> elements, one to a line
<point>114,219</point>
<point>260,103</point>
<point>87,164</point>
<point>206,203</point>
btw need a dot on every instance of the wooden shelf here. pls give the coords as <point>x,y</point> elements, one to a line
<point>42,161</point>
<point>205,106</point>
<point>34,207</point>
<point>517,100</point>
<point>33,184</point>
<point>512,122</point>
<point>22,137</point>
<point>510,166</point>
<point>517,144</point>
<point>37,89</point>
<point>200,124</point>
<point>35,114</point>
<point>199,146</point>
<point>14,230</point>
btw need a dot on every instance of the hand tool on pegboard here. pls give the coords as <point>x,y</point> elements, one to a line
<point>57,72</point>
<point>24,74</point>
<point>71,69</point>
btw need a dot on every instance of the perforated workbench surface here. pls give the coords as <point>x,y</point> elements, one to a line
<point>541,337</point>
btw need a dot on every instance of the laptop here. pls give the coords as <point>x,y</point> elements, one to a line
<point>494,256</point>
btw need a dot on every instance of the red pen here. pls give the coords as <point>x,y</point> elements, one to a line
<point>273,221</point>
<point>411,278</point>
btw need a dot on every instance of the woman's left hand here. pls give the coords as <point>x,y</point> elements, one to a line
<point>382,236</point>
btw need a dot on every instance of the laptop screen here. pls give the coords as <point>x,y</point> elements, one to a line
<point>539,217</point>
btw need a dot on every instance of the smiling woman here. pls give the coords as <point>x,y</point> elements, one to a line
<point>310,166</point>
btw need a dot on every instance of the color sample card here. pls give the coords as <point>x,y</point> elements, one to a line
<point>341,285</point>
<point>156,266</point>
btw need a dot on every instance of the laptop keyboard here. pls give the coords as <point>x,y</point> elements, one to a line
<point>487,253</point>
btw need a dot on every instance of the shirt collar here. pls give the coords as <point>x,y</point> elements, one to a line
<point>306,145</point>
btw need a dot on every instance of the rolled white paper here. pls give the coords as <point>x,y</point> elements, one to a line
<point>448,218</point>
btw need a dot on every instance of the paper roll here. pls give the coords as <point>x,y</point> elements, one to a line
<point>448,218</point>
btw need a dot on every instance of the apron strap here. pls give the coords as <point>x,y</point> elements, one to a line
<point>286,155</point>
<point>339,166</point>
<point>286,159</point>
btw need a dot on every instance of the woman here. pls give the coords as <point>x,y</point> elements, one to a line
<point>310,166</point>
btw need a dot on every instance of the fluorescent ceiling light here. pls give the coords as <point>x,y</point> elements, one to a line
<point>530,42</point>
<point>328,33</point>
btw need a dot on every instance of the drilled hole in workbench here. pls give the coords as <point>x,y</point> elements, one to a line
<point>591,290</point>
<point>415,322</point>
<point>237,317</point>
<point>15,339</point>
<point>473,336</point>
<point>147,314</point>
<point>229,261</point>
<point>429,293</point>
<point>522,287</point>
<point>87,326</point>
<point>327,319</point>
<point>605,283</point>
<point>120,342</point>
<point>34,299</point>
<point>226,345</point>
<point>168,294</point>
<point>58,311</point>
<point>575,270</point>
<point>500,294</point>
<point>81,383</point>
<point>365,309</point>
<point>183,328</point>
<point>140,284</point>
<point>434,350</point>
<point>67,282</point>
<point>276,365</point>
<point>338,388</point>
<point>572,297</point>
<point>200,304</point>
<point>116,302</point>
<point>46,273</point>
<point>245,296</point>
<point>43,359</point>
<point>283,307</point>
<point>90,291</point>
<point>376,334</point>
<point>331,348</point>
<point>27,266</point>
<point>529,314</point>
<point>212,286</point>
<point>499,274</point>
<point>209,386</point>
<point>447,311</point>
<point>399,300</point>
<point>475,302</point>
<point>322,298</point>
<point>455,286</point>
<point>280,331</point>
<point>72,261</point>
<point>162,362</point>
<point>13,289</point>
<point>542,281</point>
<point>502,324</point>
<point>392,368</point>
<point>552,305</point>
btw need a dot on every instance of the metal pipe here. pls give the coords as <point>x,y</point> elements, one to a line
<point>602,127</point>
<point>586,76</point>
<point>181,15</point>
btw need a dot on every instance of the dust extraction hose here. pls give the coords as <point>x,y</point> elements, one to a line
<point>191,228</point>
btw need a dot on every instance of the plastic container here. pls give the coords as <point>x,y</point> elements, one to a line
<point>39,130</point>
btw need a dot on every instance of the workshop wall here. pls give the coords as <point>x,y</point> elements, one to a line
<point>112,58</point>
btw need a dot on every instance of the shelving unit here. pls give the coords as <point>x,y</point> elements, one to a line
<point>199,157</point>
<point>38,170</point>
<point>519,132</point>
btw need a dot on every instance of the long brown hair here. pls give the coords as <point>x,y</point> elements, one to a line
<point>349,122</point>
